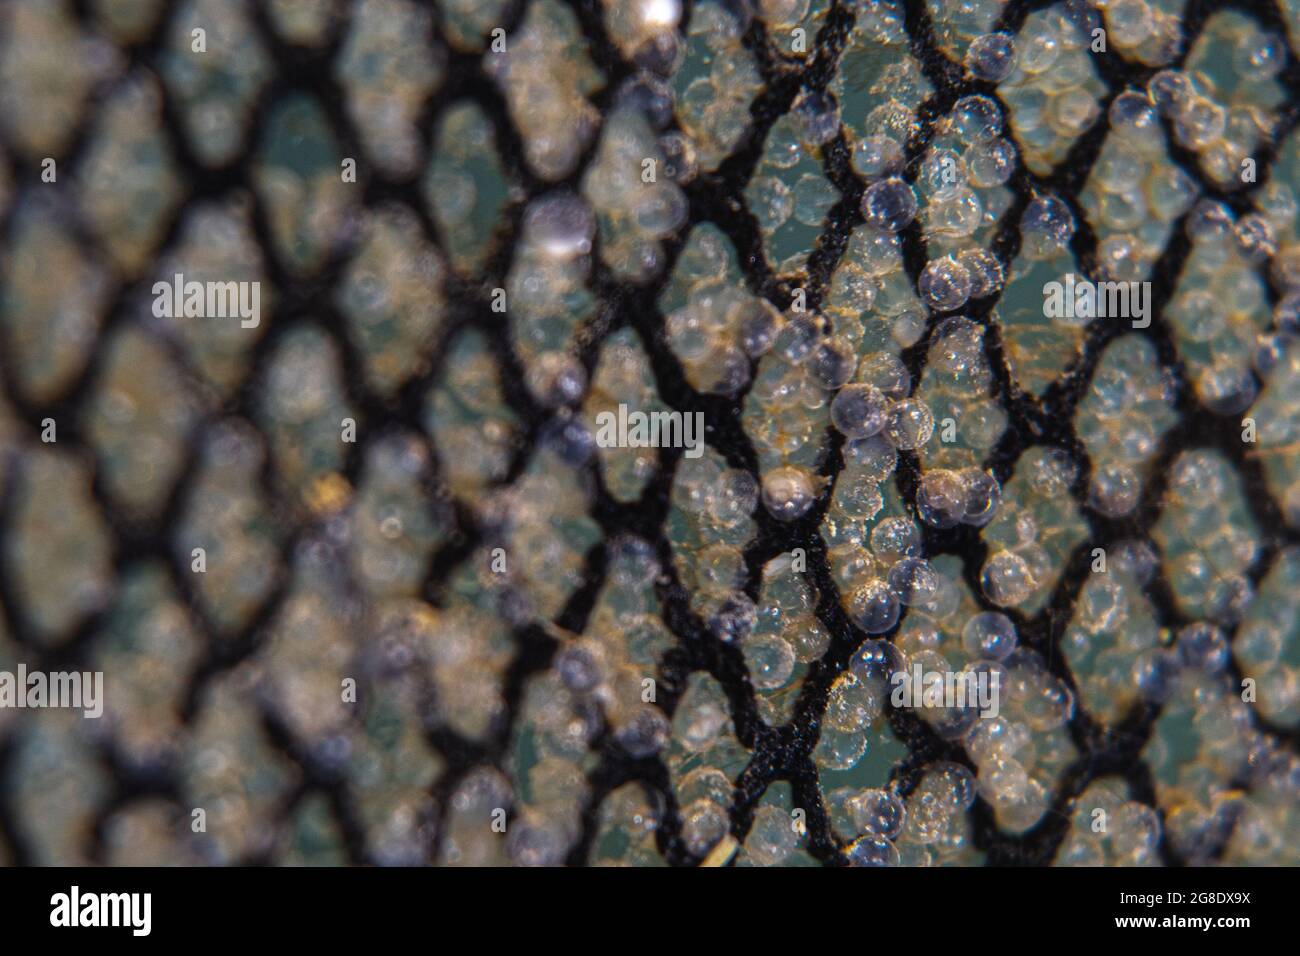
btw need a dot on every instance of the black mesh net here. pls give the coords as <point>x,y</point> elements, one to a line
<point>778,754</point>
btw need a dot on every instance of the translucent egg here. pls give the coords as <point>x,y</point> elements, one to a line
<point>876,660</point>
<point>1131,20</point>
<point>1103,604</point>
<point>833,363</point>
<point>984,269</point>
<point>1038,50</point>
<point>1120,258</point>
<point>648,95</point>
<point>881,253</point>
<point>885,371</point>
<point>872,851</point>
<point>772,838</point>
<point>796,340</point>
<point>1072,111</point>
<point>859,411</point>
<point>874,607</point>
<point>729,367</point>
<point>983,494</point>
<point>991,57</point>
<point>1168,90</point>
<point>908,327</point>
<point>736,498</point>
<point>784,149</point>
<point>788,492</point>
<point>895,538</point>
<point>1049,223</point>
<point>783,11</point>
<point>662,212</point>
<point>955,213</point>
<point>704,783</point>
<point>1132,110</point>
<point>681,163</point>
<point>758,326</point>
<point>853,289</point>
<point>853,703</point>
<point>941,498</point>
<point>770,660</point>
<point>1115,489</point>
<point>911,423</point>
<point>1209,220</point>
<point>1154,673</point>
<point>1203,646</point>
<point>770,202</point>
<point>1137,559</point>
<point>914,581</point>
<point>633,563</point>
<point>944,284</point>
<point>858,496</point>
<point>990,164</point>
<point>889,204</point>
<point>704,823</point>
<point>989,635</point>
<point>813,197</point>
<point>645,733</point>
<point>837,750</point>
<point>1007,579</point>
<point>877,812</point>
<point>578,668</point>
<point>1261,56</point>
<point>734,618</point>
<point>873,457</point>
<point>940,172</point>
<point>557,378</point>
<point>955,784</point>
<point>976,119</point>
<point>876,156</point>
<point>560,225</point>
<point>818,116</point>
<point>1199,122</point>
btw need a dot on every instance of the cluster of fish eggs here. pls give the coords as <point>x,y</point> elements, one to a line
<point>828,379</point>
